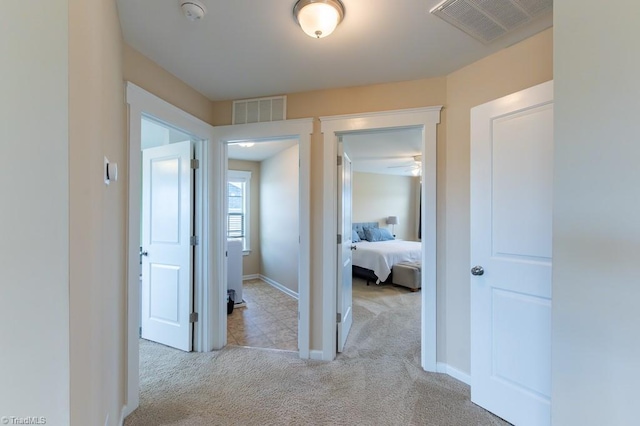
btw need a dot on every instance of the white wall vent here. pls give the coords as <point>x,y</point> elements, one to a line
<point>486,20</point>
<point>260,110</point>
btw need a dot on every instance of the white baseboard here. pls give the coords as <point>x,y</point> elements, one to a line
<point>279,286</point>
<point>123,415</point>
<point>465,378</point>
<point>250,277</point>
<point>315,355</point>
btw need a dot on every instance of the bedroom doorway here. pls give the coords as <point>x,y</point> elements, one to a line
<point>424,121</point>
<point>385,236</point>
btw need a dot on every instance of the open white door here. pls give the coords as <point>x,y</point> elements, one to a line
<point>511,218</point>
<point>167,205</point>
<point>345,314</point>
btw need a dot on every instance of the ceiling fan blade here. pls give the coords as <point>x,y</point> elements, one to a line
<point>399,167</point>
<point>386,158</point>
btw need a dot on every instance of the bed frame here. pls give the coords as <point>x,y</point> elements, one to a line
<point>357,271</point>
<point>367,274</point>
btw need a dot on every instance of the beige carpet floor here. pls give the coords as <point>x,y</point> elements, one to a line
<point>376,381</point>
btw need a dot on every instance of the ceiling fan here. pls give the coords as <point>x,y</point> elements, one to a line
<point>414,165</point>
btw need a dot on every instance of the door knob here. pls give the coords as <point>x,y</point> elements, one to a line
<point>144,253</point>
<point>477,270</point>
<point>354,247</point>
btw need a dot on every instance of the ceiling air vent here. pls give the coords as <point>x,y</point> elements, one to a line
<point>486,20</point>
<point>259,110</point>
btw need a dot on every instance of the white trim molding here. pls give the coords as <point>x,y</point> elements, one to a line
<point>123,414</point>
<point>315,355</point>
<point>250,277</point>
<point>332,128</point>
<point>277,285</point>
<point>454,372</point>
<point>300,129</point>
<point>142,103</point>
<point>244,177</point>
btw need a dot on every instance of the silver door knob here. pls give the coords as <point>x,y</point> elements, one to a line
<point>477,270</point>
<point>354,247</point>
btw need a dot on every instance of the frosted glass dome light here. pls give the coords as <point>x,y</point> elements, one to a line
<point>318,18</point>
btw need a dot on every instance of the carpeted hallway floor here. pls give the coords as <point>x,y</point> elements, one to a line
<point>376,381</point>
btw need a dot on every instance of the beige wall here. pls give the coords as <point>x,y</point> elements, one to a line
<point>34,218</point>
<point>518,67</point>
<point>97,213</point>
<point>376,196</point>
<point>376,97</point>
<point>596,247</point>
<point>64,272</point>
<point>145,73</point>
<point>380,97</point>
<point>251,262</point>
<point>279,212</point>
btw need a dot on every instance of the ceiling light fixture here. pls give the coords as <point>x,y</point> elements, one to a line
<point>318,18</point>
<point>246,144</point>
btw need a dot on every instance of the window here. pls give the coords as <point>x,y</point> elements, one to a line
<point>239,183</point>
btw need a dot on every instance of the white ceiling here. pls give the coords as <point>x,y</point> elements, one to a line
<point>388,152</point>
<point>260,151</point>
<point>382,152</point>
<point>253,48</point>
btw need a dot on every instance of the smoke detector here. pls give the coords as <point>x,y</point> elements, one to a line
<point>194,10</point>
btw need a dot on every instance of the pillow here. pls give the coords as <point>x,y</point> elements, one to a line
<point>359,227</point>
<point>355,238</point>
<point>377,234</point>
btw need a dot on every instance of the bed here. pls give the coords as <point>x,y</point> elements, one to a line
<point>373,260</point>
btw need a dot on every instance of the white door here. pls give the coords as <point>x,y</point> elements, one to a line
<point>167,188</point>
<point>345,314</point>
<point>511,216</point>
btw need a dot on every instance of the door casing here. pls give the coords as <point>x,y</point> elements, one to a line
<point>140,103</point>
<point>332,127</point>
<point>300,129</point>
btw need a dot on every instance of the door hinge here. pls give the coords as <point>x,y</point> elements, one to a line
<point>339,318</point>
<point>193,317</point>
<point>194,241</point>
<point>339,160</point>
<point>339,238</point>
<point>195,163</point>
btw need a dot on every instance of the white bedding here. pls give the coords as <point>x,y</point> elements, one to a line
<point>380,256</point>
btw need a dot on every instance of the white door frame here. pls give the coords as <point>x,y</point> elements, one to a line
<point>332,127</point>
<point>140,102</point>
<point>300,129</point>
